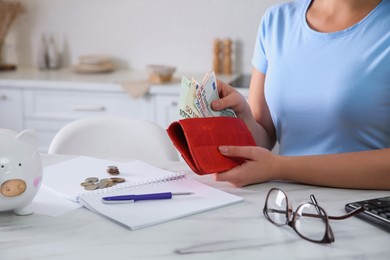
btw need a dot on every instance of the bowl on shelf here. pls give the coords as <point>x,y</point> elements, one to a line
<point>94,63</point>
<point>94,59</point>
<point>160,73</point>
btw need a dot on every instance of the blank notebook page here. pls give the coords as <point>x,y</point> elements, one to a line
<point>140,214</point>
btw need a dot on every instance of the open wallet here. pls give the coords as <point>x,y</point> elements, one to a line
<point>198,139</point>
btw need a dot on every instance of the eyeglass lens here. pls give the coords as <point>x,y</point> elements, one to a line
<point>309,221</point>
<point>277,207</point>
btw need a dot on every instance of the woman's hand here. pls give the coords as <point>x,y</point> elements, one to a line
<point>231,98</point>
<point>259,165</point>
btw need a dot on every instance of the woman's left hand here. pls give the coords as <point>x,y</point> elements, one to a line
<point>259,165</point>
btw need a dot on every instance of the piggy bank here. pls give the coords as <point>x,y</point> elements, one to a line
<point>20,171</point>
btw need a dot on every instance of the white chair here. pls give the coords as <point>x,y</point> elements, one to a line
<point>114,138</point>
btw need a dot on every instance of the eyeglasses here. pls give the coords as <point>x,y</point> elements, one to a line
<point>310,221</point>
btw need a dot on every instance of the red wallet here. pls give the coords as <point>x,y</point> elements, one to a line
<point>198,139</point>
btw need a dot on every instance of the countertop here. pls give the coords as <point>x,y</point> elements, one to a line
<point>66,78</point>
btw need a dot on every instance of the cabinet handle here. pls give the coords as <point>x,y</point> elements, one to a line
<point>174,104</point>
<point>92,108</point>
<point>3,97</point>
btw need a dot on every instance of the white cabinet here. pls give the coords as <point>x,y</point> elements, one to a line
<point>166,109</point>
<point>46,111</point>
<point>11,110</point>
<point>72,104</point>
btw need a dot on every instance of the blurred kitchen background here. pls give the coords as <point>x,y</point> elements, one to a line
<point>138,32</point>
<point>105,49</point>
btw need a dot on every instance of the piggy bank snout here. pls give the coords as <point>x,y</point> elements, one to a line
<point>13,187</point>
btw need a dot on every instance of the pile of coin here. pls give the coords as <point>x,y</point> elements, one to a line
<point>93,183</point>
<point>113,170</point>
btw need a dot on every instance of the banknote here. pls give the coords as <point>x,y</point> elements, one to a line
<point>186,102</point>
<point>210,93</point>
<point>200,102</point>
<point>196,98</point>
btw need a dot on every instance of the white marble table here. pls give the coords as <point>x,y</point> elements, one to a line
<point>238,231</point>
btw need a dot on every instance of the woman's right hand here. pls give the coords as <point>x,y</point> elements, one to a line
<point>231,98</point>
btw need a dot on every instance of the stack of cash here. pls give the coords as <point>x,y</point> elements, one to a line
<point>195,98</point>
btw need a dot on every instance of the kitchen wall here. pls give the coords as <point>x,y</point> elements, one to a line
<point>139,32</point>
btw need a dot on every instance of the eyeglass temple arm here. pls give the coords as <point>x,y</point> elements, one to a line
<point>349,214</point>
<point>313,199</point>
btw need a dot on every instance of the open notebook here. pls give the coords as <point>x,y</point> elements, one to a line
<point>141,178</point>
<point>65,177</point>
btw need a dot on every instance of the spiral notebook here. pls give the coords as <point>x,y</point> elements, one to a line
<point>141,178</point>
<point>65,177</point>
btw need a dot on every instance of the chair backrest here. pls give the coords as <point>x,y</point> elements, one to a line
<point>114,138</point>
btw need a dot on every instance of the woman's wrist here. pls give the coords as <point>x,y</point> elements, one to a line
<point>279,167</point>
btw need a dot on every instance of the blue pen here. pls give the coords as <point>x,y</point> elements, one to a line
<point>138,197</point>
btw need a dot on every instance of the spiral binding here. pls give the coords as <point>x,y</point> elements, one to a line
<point>127,185</point>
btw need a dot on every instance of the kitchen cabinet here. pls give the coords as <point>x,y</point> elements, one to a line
<point>46,111</point>
<point>47,100</point>
<point>73,104</point>
<point>11,110</point>
<point>165,109</point>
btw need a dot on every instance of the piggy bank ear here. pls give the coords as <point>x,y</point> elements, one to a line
<point>28,136</point>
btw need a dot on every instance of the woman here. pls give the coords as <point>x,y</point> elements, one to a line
<point>321,87</point>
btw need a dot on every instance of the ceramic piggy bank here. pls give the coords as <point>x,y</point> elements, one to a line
<point>20,171</point>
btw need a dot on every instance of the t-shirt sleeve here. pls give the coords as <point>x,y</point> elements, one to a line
<point>259,59</point>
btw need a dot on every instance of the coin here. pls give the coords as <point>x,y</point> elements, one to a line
<point>93,183</point>
<point>110,183</point>
<point>117,179</point>
<point>86,183</point>
<point>91,187</point>
<point>113,170</point>
<point>92,179</point>
<point>101,184</point>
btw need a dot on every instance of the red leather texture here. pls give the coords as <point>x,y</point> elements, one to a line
<point>198,139</point>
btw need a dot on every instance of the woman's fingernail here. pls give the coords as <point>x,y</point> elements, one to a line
<point>223,149</point>
<point>216,104</point>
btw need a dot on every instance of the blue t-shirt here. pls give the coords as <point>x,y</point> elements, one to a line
<point>327,92</point>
